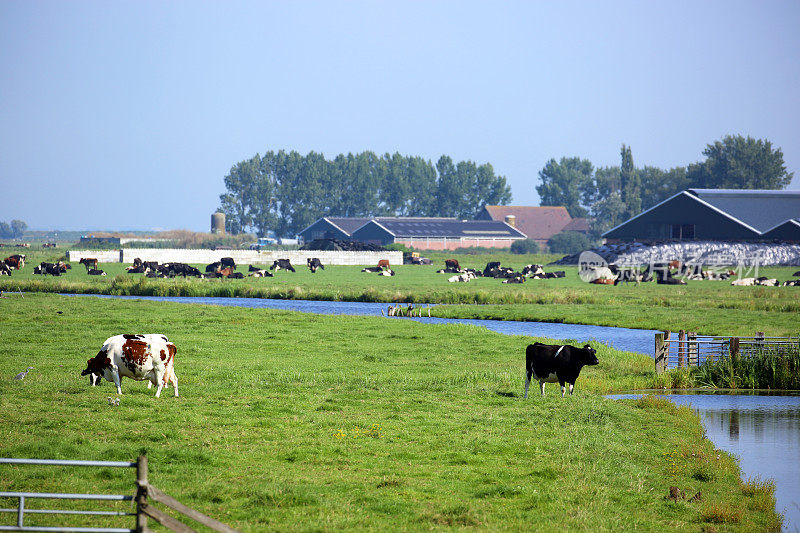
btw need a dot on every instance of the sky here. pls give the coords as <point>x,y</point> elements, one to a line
<point>128,115</point>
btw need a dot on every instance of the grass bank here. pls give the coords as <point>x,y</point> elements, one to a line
<point>305,422</point>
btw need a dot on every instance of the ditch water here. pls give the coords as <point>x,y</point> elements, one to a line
<point>628,340</point>
<point>762,430</point>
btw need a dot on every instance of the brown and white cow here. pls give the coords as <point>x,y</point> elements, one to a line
<point>16,261</point>
<point>139,357</point>
<point>89,263</point>
<point>383,263</point>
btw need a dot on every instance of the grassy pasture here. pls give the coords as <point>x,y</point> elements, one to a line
<point>292,422</point>
<point>707,307</point>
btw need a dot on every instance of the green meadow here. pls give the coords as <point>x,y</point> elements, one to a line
<point>706,307</point>
<point>294,422</point>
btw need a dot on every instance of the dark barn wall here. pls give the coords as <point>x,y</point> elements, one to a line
<point>322,229</point>
<point>787,232</point>
<point>709,224</point>
<point>371,233</point>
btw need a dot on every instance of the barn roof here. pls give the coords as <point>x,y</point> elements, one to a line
<point>348,224</point>
<point>535,222</point>
<point>759,209</point>
<point>405,227</point>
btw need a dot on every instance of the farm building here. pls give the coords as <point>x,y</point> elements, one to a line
<point>537,223</point>
<point>717,214</point>
<point>333,228</point>
<point>437,233</point>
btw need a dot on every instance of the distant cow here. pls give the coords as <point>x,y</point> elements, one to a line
<point>54,269</point>
<point>451,263</point>
<point>556,363</point>
<point>533,271</point>
<point>5,270</point>
<point>491,266</point>
<point>227,262</point>
<point>214,267</point>
<point>139,357</point>
<point>284,264</point>
<point>95,272</point>
<point>16,261</point>
<point>516,278</point>
<point>314,263</point>
<point>88,262</point>
<point>383,263</point>
<point>259,273</point>
<point>371,269</point>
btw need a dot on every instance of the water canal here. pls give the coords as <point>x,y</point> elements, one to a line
<point>763,431</point>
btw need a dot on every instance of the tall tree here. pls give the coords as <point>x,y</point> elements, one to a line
<point>738,162</point>
<point>631,186</point>
<point>18,227</point>
<point>562,183</point>
<point>449,190</point>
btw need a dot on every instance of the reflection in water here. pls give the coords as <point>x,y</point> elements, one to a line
<point>762,431</point>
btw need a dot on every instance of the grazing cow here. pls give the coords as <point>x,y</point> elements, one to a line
<point>556,363</point>
<point>16,261</point>
<point>452,263</point>
<point>227,262</point>
<point>139,357</point>
<point>314,263</point>
<point>88,262</point>
<point>284,264</point>
<point>96,272</point>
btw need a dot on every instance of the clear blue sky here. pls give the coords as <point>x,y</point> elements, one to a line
<point>127,115</point>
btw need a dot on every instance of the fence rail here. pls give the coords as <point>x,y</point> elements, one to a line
<point>143,508</point>
<point>690,349</point>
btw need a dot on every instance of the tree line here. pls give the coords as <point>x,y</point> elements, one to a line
<point>285,192</point>
<point>612,195</point>
<point>13,230</point>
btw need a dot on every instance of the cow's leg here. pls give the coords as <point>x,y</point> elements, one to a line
<point>174,379</point>
<point>541,386</point>
<point>115,375</point>
<point>528,375</point>
<point>571,387</point>
<point>563,388</point>
<point>158,378</point>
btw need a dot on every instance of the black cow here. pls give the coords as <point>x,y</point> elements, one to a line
<point>227,262</point>
<point>182,269</point>
<point>54,269</point>
<point>556,363</point>
<point>492,265</point>
<point>314,263</point>
<point>214,267</point>
<point>282,264</point>
<point>95,272</point>
<point>452,263</point>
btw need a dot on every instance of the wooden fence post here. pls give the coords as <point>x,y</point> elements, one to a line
<point>658,353</point>
<point>141,494</point>
<point>734,348</point>
<point>681,349</point>
<point>693,354</point>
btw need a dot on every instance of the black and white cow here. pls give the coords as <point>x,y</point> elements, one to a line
<point>314,263</point>
<point>556,363</point>
<point>284,264</point>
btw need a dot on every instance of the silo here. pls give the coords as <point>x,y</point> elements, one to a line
<point>218,223</point>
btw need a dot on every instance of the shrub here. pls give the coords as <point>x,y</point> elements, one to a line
<point>526,246</point>
<point>568,242</point>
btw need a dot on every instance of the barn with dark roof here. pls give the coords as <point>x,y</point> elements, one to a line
<point>717,214</point>
<point>333,228</point>
<point>437,233</point>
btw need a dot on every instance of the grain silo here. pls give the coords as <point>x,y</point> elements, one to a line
<point>218,223</point>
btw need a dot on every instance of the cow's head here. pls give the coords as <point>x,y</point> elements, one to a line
<point>589,356</point>
<point>97,364</point>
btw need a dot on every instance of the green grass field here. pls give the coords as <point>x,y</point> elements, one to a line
<point>706,307</point>
<point>292,422</point>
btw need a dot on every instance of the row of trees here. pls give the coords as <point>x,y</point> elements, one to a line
<point>611,195</point>
<point>13,230</point>
<point>284,192</point>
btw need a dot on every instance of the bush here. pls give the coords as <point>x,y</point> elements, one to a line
<point>568,242</point>
<point>526,246</point>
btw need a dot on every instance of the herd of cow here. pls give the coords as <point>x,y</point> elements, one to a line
<point>494,270</point>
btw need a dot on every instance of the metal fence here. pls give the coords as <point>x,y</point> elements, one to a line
<point>685,349</point>
<point>144,509</point>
